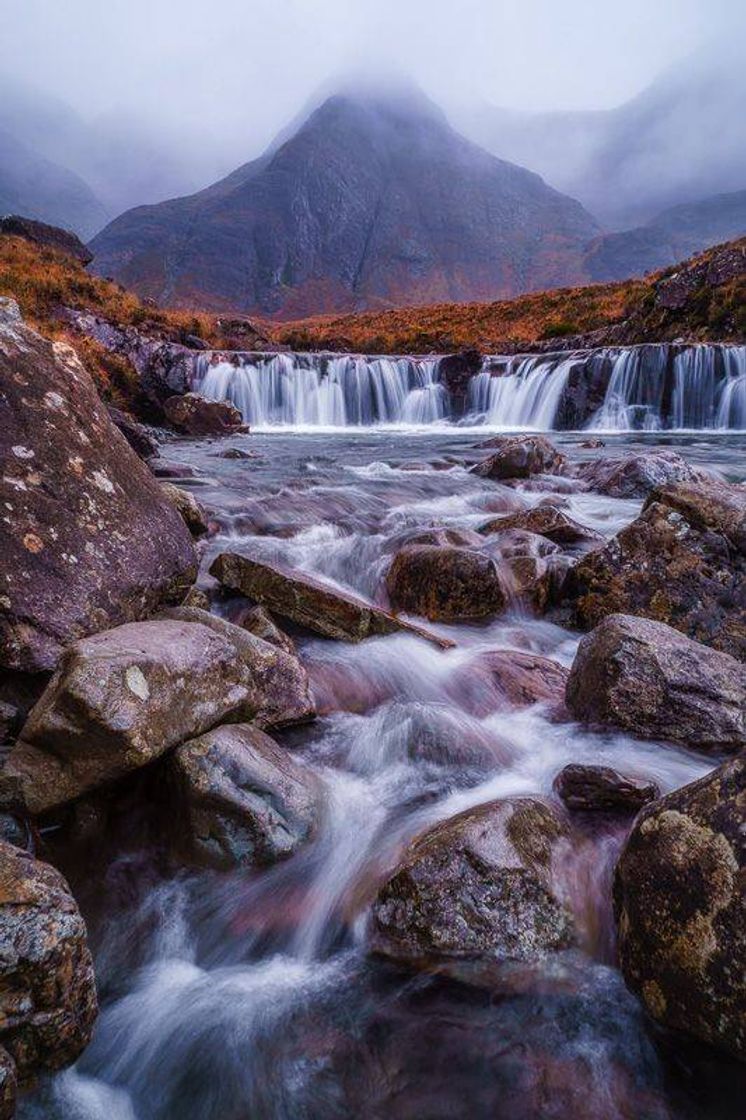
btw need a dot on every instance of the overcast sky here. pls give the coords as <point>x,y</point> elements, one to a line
<point>247,66</point>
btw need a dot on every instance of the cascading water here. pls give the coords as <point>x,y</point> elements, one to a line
<point>634,388</point>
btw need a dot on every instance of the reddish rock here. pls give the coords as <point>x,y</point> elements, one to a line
<point>599,788</point>
<point>507,678</point>
<point>87,540</point>
<point>309,602</point>
<point>653,681</point>
<point>547,521</point>
<point>445,584</point>
<point>197,416</point>
<point>520,457</point>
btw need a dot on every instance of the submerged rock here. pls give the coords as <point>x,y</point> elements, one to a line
<point>242,800</point>
<point>479,884</point>
<point>124,697</point>
<point>520,457</point>
<point>445,583</point>
<point>636,473</point>
<point>47,990</point>
<point>197,416</point>
<point>190,510</point>
<point>501,679</point>
<point>87,539</point>
<point>653,681</point>
<point>681,909</point>
<point>594,788</point>
<point>321,607</point>
<point>682,561</point>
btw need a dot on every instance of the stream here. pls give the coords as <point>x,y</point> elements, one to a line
<point>250,995</point>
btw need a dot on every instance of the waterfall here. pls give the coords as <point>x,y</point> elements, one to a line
<point>625,388</point>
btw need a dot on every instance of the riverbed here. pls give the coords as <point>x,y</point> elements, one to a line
<point>251,996</point>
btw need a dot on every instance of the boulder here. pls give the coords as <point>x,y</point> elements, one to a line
<point>197,416</point>
<point>636,473</point>
<point>546,521</point>
<point>241,800</point>
<point>87,540</point>
<point>478,884</point>
<point>599,788</point>
<point>651,680</point>
<point>122,698</point>
<point>520,457</point>
<point>47,988</point>
<point>681,909</point>
<point>682,561</point>
<point>187,506</point>
<point>260,622</point>
<point>445,583</point>
<point>137,435</point>
<point>309,602</point>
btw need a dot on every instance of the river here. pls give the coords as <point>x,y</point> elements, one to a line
<point>250,996</point>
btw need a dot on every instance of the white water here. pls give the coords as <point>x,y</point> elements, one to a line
<point>647,388</point>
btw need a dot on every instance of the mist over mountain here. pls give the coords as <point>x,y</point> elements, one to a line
<point>681,140</point>
<point>374,200</point>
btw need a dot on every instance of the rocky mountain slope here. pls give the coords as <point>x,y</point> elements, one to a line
<point>375,200</point>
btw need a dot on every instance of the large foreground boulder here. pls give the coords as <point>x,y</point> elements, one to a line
<point>681,909</point>
<point>321,607</point>
<point>197,416</point>
<point>520,457</point>
<point>87,539</point>
<point>242,800</point>
<point>651,680</point>
<point>682,561</point>
<point>636,473</point>
<point>479,884</point>
<point>445,583</point>
<point>122,698</point>
<point>47,989</point>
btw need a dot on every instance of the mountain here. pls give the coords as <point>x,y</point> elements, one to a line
<point>681,139</point>
<point>672,235</point>
<point>374,200</point>
<point>38,188</point>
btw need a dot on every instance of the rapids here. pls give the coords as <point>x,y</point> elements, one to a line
<point>249,996</point>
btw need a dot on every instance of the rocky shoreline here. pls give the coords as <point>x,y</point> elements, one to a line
<point>119,666</point>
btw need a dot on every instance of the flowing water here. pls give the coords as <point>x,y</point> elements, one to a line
<point>250,996</point>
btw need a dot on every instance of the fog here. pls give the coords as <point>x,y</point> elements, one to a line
<point>191,89</point>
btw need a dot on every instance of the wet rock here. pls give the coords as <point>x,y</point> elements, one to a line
<point>87,539</point>
<point>124,697</point>
<point>455,371</point>
<point>653,681</point>
<point>520,457</point>
<point>309,602</point>
<point>187,506</point>
<point>237,453</point>
<point>198,598</point>
<point>682,561</point>
<point>547,521</point>
<point>681,909</point>
<point>197,416</point>
<point>439,535</point>
<point>47,989</point>
<point>445,584</point>
<point>8,1086</point>
<point>600,788</point>
<point>137,435</point>
<point>163,469</point>
<point>480,883</point>
<point>260,622</point>
<point>47,236</point>
<point>636,473</point>
<point>242,800</point>
<point>501,678</point>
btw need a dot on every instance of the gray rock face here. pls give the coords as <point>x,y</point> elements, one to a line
<point>681,909</point>
<point>47,990</point>
<point>636,474</point>
<point>599,788</point>
<point>124,697</point>
<point>445,583</point>
<point>520,457</point>
<point>477,884</point>
<point>651,680</point>
<point>242,800</point>
<point>87,540</point>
